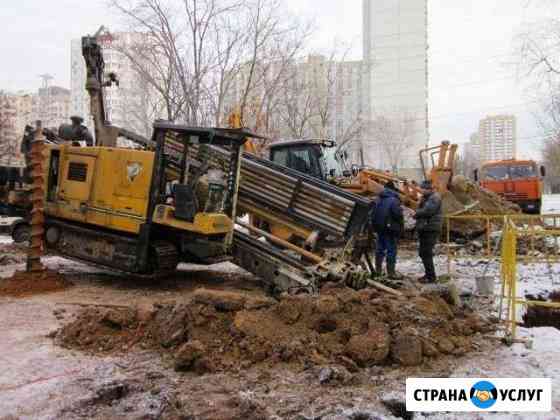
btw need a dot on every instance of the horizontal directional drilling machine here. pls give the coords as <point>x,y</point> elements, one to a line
<point>177,196</point>
<point>117,207</point>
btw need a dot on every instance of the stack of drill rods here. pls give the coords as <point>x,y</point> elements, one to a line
<point>38,200</point>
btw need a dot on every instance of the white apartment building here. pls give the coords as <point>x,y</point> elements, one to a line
<point>123,104</point>
<point>395,48</point>
<point>498,137</point>
<point>350,108</point>
<point>320,98</point>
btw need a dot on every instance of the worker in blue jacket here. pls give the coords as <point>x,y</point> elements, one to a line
<point>387,221</point>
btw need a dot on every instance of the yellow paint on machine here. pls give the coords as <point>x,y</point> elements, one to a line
<point>203,223</point>
<point>109,187</point>
<point>101,186</point>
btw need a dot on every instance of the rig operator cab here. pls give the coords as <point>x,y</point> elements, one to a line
<point>518,181</point>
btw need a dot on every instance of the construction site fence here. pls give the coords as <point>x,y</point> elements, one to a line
<point>504,236</point>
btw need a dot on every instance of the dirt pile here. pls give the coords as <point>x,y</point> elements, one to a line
<point>225,331</point>
<point>27,284</point>
<point>542,316</point>
<point>467,198</point>
<point>467,193</point>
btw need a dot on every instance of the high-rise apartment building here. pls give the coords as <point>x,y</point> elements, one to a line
<point>498,137</point>
<point>395,49</point>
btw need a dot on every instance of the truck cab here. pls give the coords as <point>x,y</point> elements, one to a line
<point>518,181</point>
<point>315,157</point>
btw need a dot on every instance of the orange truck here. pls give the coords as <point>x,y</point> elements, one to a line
<point>518,181</point>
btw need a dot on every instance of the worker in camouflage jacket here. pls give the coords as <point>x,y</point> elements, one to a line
<point>429,221</point>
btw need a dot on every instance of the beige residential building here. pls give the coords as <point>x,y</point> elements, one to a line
<point>24,111</point>
<point>15,113</point>
<point>8,142</point>
<point>51,105</point>
<point>498,137</point>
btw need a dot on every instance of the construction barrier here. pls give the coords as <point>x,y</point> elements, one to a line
<point>510,240</point>
<point>491,225</point>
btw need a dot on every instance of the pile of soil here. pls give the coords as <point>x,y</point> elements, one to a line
<point>542,316</point>
<point>26,284</point>
<point>228,331</point>
<point>465,194</point>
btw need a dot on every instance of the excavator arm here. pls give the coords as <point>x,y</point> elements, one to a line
<point>441,160</point>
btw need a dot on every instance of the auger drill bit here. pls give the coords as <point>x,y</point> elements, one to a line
<point>38,201</point>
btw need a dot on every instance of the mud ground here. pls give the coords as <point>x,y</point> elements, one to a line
<point>42,380</point>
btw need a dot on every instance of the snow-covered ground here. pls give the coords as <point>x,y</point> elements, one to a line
<point>550,203</point>
<point>541,360</point>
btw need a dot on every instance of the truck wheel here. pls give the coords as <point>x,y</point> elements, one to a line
<point>21,233</point>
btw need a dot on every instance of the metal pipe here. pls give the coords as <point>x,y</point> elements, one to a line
<point>309,255</point>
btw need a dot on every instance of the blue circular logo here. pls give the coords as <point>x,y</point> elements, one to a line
<point>484,394</point>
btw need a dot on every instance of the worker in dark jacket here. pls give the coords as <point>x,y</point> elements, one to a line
<point>429,221</point>
<point>387,221</point>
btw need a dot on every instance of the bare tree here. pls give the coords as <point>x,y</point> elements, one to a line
<point>315,94</point>
<point>296,105</point>
<point>538,51</point>
<point>139,106</point>
<point>275,39</point>
<point>551,157</point>
<point>393,132</point>
<point>190,51</point>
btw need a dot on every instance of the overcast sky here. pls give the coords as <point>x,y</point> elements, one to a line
<point>471,66</point>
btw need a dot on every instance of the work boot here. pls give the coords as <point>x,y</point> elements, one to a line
<point>392,273</point>
<point>426,280</point>
<point>378,266</point>
<point>429,269</point>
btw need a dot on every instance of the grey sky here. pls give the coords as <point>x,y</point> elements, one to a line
<point>471,74</point>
